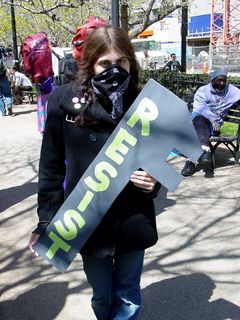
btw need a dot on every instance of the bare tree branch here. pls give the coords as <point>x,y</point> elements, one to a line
<point>35,10</point>
<point>146,19</point>
<point>147,13</point>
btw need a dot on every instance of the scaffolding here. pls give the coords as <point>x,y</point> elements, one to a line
<point>225,35</point>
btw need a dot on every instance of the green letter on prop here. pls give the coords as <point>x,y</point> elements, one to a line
<point>58,243</point>
<point>72,231</point>
<point>117,145</point>
<point>146,112</point>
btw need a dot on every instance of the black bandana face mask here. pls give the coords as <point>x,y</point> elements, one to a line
<point>112,83</point>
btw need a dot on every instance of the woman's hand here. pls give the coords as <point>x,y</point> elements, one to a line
<point>143,180</point>
<point>33,239</point>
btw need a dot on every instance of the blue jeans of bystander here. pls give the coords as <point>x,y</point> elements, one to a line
<point>5,92</point>
<point>116,285</point>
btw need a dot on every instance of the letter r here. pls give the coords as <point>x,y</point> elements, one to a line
<point>146,111</point>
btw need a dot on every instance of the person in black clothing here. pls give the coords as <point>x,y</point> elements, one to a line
<point>81,117</point>
<point>173,64</point>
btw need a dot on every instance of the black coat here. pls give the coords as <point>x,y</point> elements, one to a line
<point>130,222</point>
<point>173,66</point>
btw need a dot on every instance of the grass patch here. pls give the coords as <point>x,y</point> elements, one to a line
<point>229,128</point>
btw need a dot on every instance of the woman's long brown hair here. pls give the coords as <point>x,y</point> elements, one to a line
<point>98,42</point>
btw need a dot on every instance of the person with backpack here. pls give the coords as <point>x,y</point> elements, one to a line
<point>67,69</point>
<point>6,104</point>
<point>81,117</point>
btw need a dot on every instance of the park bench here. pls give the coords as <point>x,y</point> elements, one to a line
<point>230,141</point>
<point>188,98</point>
<point>31,95</point>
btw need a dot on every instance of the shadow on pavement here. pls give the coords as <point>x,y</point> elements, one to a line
<point>13,195</point>
<point>161,202</point>
<point>18,113</point>
<point>185,298</point>
<point>224,157</point>
<point>41,303</point>
<point>44,302</point>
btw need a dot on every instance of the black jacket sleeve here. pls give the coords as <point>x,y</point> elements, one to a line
<point>153,193</point>
<point>52,168</point>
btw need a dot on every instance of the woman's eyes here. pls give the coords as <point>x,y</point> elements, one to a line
<point>122,61</point>
<point>106,64</point>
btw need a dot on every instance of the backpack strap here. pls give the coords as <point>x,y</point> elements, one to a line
<point>56,55</point>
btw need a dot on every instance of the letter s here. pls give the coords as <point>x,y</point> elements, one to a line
<point>103,178</point>
<point>69,216</point>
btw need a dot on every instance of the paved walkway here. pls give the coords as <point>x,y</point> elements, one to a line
<point>193,273</point>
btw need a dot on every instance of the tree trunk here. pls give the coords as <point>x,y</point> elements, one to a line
<point>124,17</point>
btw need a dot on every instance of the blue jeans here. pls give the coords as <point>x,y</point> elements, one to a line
<point>5,91</point>
<point>116,285</point>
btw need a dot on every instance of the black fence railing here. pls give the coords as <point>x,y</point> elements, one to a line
<point>182,84</point>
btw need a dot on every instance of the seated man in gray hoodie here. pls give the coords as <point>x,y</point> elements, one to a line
<point>211,104</point>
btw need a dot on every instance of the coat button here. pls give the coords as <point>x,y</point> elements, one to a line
<point>92,137</point>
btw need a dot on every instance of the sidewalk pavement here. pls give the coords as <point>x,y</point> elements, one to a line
<point>192,273</point>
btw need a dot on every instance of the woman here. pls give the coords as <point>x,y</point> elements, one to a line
<point>81,116</point>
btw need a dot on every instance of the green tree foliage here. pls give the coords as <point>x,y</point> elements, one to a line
<point>6,29</point>
<point>60,18</point>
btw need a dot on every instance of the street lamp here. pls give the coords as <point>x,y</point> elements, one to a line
<point>14,33</point>
<point>184,32</point>
<point>115,13</point>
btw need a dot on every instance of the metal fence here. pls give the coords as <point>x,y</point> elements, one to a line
<point>198,59</point>
<point>204,58</point>
<point>227,57</point>
<point>182,84</point>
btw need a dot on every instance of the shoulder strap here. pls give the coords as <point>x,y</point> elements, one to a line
<point>56,55</point>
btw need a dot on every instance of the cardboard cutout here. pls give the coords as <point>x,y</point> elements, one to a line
<point>156,123</point>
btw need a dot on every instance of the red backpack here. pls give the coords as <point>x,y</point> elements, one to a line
<point>37,57</point>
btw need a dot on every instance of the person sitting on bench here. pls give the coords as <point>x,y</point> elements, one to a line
<point>211,104</point>
<point>21,83</point>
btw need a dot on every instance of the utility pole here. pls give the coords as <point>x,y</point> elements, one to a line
<point>14,33</point>
<point>184,32</point>
<point>115,13</point>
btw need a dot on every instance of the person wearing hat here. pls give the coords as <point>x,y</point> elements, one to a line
<point>211,104</point>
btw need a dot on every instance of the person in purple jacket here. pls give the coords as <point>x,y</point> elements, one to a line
<point>211,104</point>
